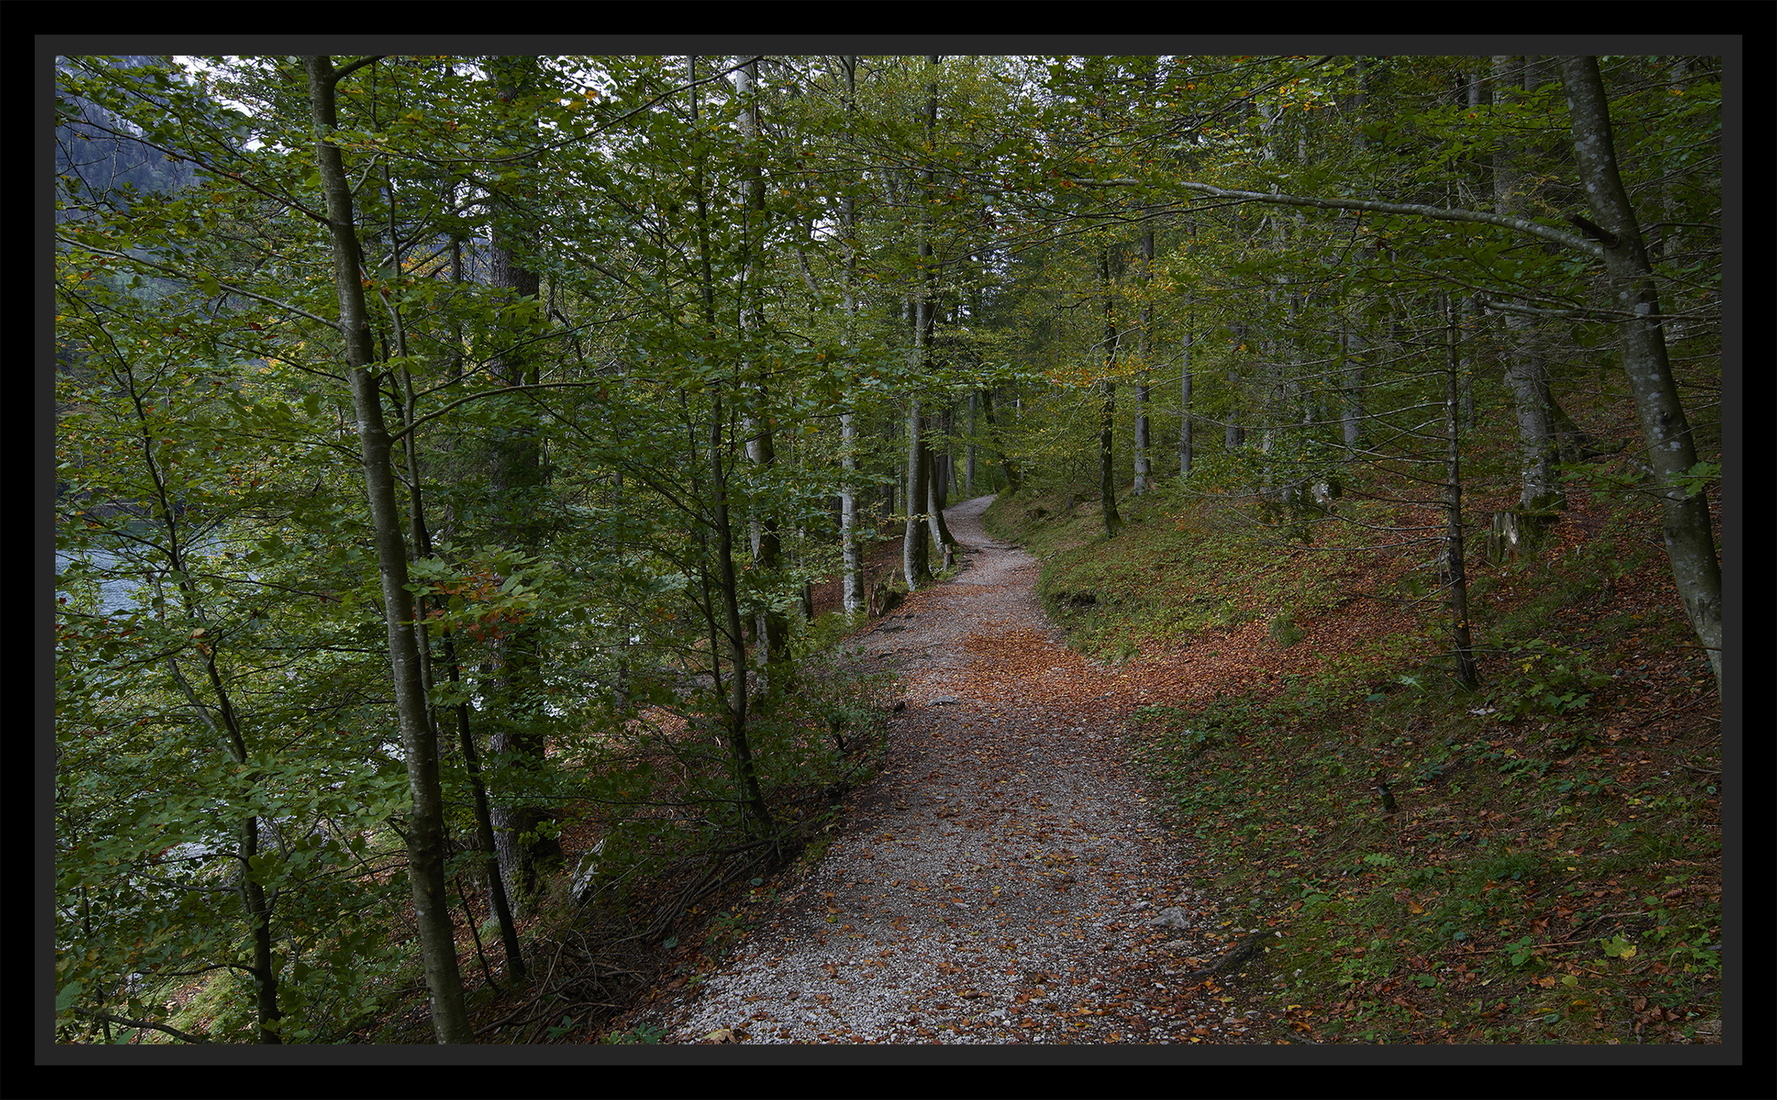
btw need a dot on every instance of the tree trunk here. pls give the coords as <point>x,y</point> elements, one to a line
<point>265,966</point>
<point>1455,568</point>
<point>969,461</point>
<point>424,831</point>
<point>485,835</point>
<point>525,840</point>
<point>1690,540</point>
<point>1526,370</point>
<point>1351,385</point>
<point>1186,440</point>
<point>851,546</point>
<point>916,559</point>
<point>728,625</point>
<point>1143,388</point>
<point>852,551</point>
<point>1107,409</point>
<point>226,724</point>
<point>937,478</point>
<point>767,542</point>
<point>422,545</point>
<point>484,824</point>
<point>915,555</point>
<point>736,704</point>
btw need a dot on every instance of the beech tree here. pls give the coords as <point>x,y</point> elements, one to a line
<point>424,832</point>
<point>526,397</point>
<point>1637,321</point>
<point>1689,538</point>
<point>229,567</point>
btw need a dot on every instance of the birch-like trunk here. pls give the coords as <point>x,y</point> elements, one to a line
<point>852,550</point>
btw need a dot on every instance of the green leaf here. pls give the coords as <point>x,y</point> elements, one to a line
<point>67,995</point>
<point>1618,948</point>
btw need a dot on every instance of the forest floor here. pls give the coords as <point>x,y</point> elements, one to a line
<point>1241,801</point>
<point>1002,880</point>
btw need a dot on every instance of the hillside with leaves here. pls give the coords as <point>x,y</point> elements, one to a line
<point>1535,859</point>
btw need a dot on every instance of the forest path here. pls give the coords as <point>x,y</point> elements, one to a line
<point>1001,881</point>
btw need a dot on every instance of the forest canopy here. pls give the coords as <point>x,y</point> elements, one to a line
<point>443,441</point>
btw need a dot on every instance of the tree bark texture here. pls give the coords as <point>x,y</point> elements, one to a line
<point>1689,538</point>
<point>1526,369</point>
<point>523,830</point>
<point>424,832</point>
<point>1455,565</point>
<point>1107,409</point>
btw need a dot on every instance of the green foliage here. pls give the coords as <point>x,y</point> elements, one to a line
<point>1183,731</point>
<point>1544,678</point>
<point>643,1034</point>
<point>1513,828</point>
<point>581,462</point>
<point>1284,630</point>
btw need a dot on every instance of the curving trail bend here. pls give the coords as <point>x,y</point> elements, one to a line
<point>1002,880</point>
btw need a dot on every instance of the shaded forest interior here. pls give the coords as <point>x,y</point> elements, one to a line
<point>470,471</point>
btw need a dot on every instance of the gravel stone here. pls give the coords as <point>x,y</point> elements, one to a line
<point>998,882</point>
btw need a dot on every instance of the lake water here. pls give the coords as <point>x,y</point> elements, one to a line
<point>115,594</point>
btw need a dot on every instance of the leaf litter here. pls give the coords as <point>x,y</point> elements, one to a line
<point>1003,880</point>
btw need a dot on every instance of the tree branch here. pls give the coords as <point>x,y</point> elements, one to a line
<point>1437,213</point>
<point>1598,233</point>
<point>127,1022</point>
<point>187,277</point>
<point>396,434</point>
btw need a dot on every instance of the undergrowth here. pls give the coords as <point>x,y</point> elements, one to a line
<point>1534,861</point>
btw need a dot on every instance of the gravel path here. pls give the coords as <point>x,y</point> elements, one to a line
<point>1002,880</point>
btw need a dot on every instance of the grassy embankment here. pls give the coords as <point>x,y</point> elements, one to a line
<point>1535,861</point>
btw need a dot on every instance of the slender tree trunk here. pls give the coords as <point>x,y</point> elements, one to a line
<point>767,542</point>
<point>226,724</point>
<point>851,545</point>
<point>424,831</point>
<point>1455,570</point>
<point>1186,439</point>
<point>255,906</point>
<point>969,461</point>
<point>1107,409</point>
<point>727,622</point>
<point>258,910</point>
<point>516,969</point>
<point>937,478</point>
<point>1672,452</point>
<point>1143,388</point>
<point>525,838</point>
<point>1526,370</point>
<point>484,826</point>
<point>1187,443</point>
<point>1351,385</point>
<point>737,705</point>
<point>915,553</point>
